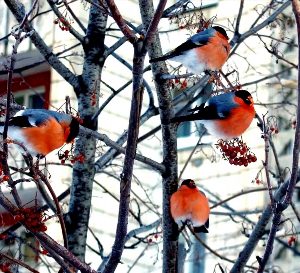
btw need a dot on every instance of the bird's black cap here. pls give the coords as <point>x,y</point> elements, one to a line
<point>222,31</point>
<point>244,95</point>
<point>189,183</point>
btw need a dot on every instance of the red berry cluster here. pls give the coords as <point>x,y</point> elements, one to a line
<point>80,158</point>
<point>216,79</point>
<point>178,84</point>
<point>257,181</point>
<point>272,125</point>
<point>238,86</point>
<point>66,155</point>
<point>153,238</point>
<point>192,21</point>
<point>32,218</point>
<point>3,236</point>
<point>183,84</point>
<point>292,240</point>
<point>274,130</point>
<point>94,99</point>
<point>63,23</point>
<point>236,152</point>
<point>204,24</point>
<point>5,267</point>
<point>63,156</point>
<point>44,251</point>
<point>3,177</point>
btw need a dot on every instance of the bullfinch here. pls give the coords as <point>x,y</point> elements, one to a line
<point>206,50</point>
<point>225,116</point>
<point>42,131</point>
<point>190,205</point>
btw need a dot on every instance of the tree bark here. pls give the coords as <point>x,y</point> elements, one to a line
<point>88,96</point>
<point>169,183</point>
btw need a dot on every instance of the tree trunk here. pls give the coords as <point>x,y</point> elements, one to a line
<point>169,183</point>
<point>88,95</point>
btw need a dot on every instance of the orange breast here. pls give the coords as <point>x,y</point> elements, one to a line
<point>237,123</point>
<point>189,204</point>
<point>45,138</point>
<point>215,53</point>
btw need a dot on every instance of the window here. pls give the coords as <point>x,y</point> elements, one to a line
<point>192,128</point>
<point>30,87</point>
<point>184,129</point>
<point>31,99</point>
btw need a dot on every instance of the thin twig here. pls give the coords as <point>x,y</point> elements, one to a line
<point>211,250</point>
<point>19,262</point>
<point>59,15</point>
<point>110,143</point>
<point>236,41</point>
<point>17,33</point>
<point>281,206</point>
<point>78,21</point>
<point>189,158</point>
<point>238,18</point>
<point>295,210</point>
<point>237,195</point>
<point>266,135</point>
<point>152,28</point>
<point>120,21</point>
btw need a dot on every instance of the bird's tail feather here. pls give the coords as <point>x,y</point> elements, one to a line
<point>158,59</point>
<point>202,229</point>
<point>190,117</point>
<point>197,108</point>
<point>164,57</point>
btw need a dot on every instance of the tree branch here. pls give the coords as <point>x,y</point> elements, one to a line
<point>17,8</point>
<point>237,40</point>
<point>170,177</point>
<point>282,205</point>
<point>87,132</point>
<point>121,22</point>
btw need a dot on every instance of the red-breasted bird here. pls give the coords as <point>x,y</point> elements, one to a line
<point>206,50</point>
<point>42,131</point>
<point>225,116</point>
<point>188,204</point>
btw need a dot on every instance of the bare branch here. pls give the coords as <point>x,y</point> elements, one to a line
<point>17,8</point>
<point>55,9</point>
<point>16,261</point>
<point>238,19</point>
<point>296,149</point>
<point>152,27</point>
<point>237,40</point>
<point>266,135</point>
<point>215,253</point>
<point>120,21</point>
<point>120,149</point>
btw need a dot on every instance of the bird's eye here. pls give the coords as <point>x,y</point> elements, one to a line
<point>248,101</point>
<point>192,184</point>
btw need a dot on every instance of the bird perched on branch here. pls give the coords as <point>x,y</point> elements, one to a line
<point>190,205</point>
<point>42,131</point>
<point>206,50</point>
<point>225,116</point>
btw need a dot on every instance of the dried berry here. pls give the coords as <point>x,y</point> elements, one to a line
<point>292,240</point>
